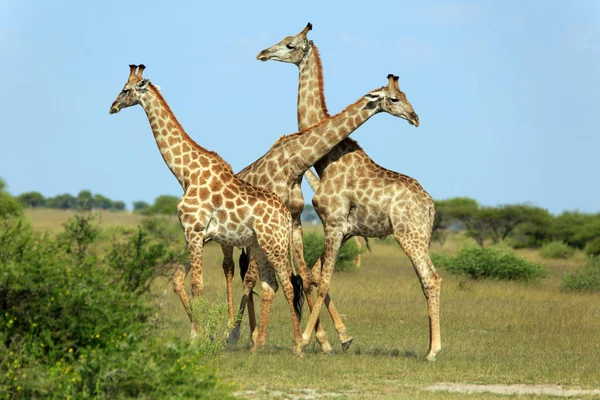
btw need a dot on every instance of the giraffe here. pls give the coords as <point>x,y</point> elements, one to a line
<point>217,206</point>
<point>356,196</point>
<point>313,181</point>
<point>281,170</point>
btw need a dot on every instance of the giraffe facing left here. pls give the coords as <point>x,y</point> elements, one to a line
<point>218,206</point>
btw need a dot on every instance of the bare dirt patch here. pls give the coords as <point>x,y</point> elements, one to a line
<point>549,390</point>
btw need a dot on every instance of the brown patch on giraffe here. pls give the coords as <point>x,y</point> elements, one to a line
<point>186,159</point>
<point>229,204</point>
<point>216,200</point>
<point>203,193</point>
<point>176,150</point>
<point>215,185</point>
<point>172,140</point>
<point>204,161</point>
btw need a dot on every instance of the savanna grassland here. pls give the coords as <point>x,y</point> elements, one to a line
<point>492,332</point>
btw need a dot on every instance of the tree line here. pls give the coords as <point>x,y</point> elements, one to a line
<point>520,225</point>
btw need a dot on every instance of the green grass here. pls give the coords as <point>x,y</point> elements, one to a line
<point>492,332</point>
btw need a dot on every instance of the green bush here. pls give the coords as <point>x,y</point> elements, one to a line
<point>586,279</point>
<point>486,263</point>
<point>140,260</point>
<point>557,249</point>
<point>70,329</point>
<point>592,248</point>
<point>313,248</point>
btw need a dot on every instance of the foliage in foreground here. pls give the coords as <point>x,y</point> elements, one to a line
<point>488,263</point>
<point>586,279</point>
<point>556,249</point>
<point>313,248</point>
<point>72,326</point>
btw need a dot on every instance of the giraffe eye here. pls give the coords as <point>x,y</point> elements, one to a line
<point>125,91</point>
<point>393,99</point>
<point>290,46</point>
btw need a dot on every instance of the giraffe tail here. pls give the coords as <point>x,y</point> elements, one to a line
<point>296,279</point>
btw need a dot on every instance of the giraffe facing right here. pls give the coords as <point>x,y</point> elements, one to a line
<point>356,196</point>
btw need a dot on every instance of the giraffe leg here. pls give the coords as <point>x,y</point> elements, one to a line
<point>431,283</point>
<point>250,279</point>
<point>274,260</point>
<point>195,242</point>
<point>298,248</point>
<point>228,270</point>
<point>359,245</point>
<point>339,325</point>
<point>333,240</point>
<point>178,279</point>
<point>268,289</point>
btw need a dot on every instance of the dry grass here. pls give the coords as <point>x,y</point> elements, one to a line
<point>50,220</point>
<point>492,332</point>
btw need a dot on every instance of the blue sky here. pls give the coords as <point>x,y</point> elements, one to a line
<point>507,91</point>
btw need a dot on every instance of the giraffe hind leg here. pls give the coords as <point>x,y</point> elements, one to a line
<point>431,283</point>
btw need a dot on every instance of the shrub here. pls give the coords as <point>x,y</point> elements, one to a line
<point>556,249</point>
<point>139,260</point>
<point>69,330</point>
<point>486,263</point>
<point>592,248</point>
<point>586,279</point>
<point>313,248</point>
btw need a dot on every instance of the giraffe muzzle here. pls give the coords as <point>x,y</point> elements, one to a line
<point>263,56</point>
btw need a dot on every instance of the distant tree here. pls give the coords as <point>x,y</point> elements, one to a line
<point>535,230</point>
<point>119,205</point>
<point>576,228</point>
<point>102,202</point>
<point>62,202</point>
<point>32,199</point>
<point>140,205</point>
<point>85,201</point>
<point>460,210</point>
<point>164,204</point>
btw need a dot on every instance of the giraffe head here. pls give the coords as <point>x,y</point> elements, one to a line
<point>291,49</point>
<point>133,90</point>
<point>392,100</point>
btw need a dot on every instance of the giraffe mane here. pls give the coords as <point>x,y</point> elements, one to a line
<point>320,79</point>
<point>187,137</point>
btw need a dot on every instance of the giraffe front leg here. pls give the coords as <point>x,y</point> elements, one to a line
<point>195,241</point>
<point>298,247</point>
<point>338,323</point>
<point>333,240</point>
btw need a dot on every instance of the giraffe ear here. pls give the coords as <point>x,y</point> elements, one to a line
<point>375,96</point>
<point>143,84</point>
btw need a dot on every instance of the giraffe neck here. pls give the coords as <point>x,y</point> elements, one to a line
<point>176,147</point>
<point>317,141</point>
<point>311,99</point>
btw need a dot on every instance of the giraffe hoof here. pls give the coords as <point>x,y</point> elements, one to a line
<point>347,344</point>
<point>431,356</point>
<point>233,338</point>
